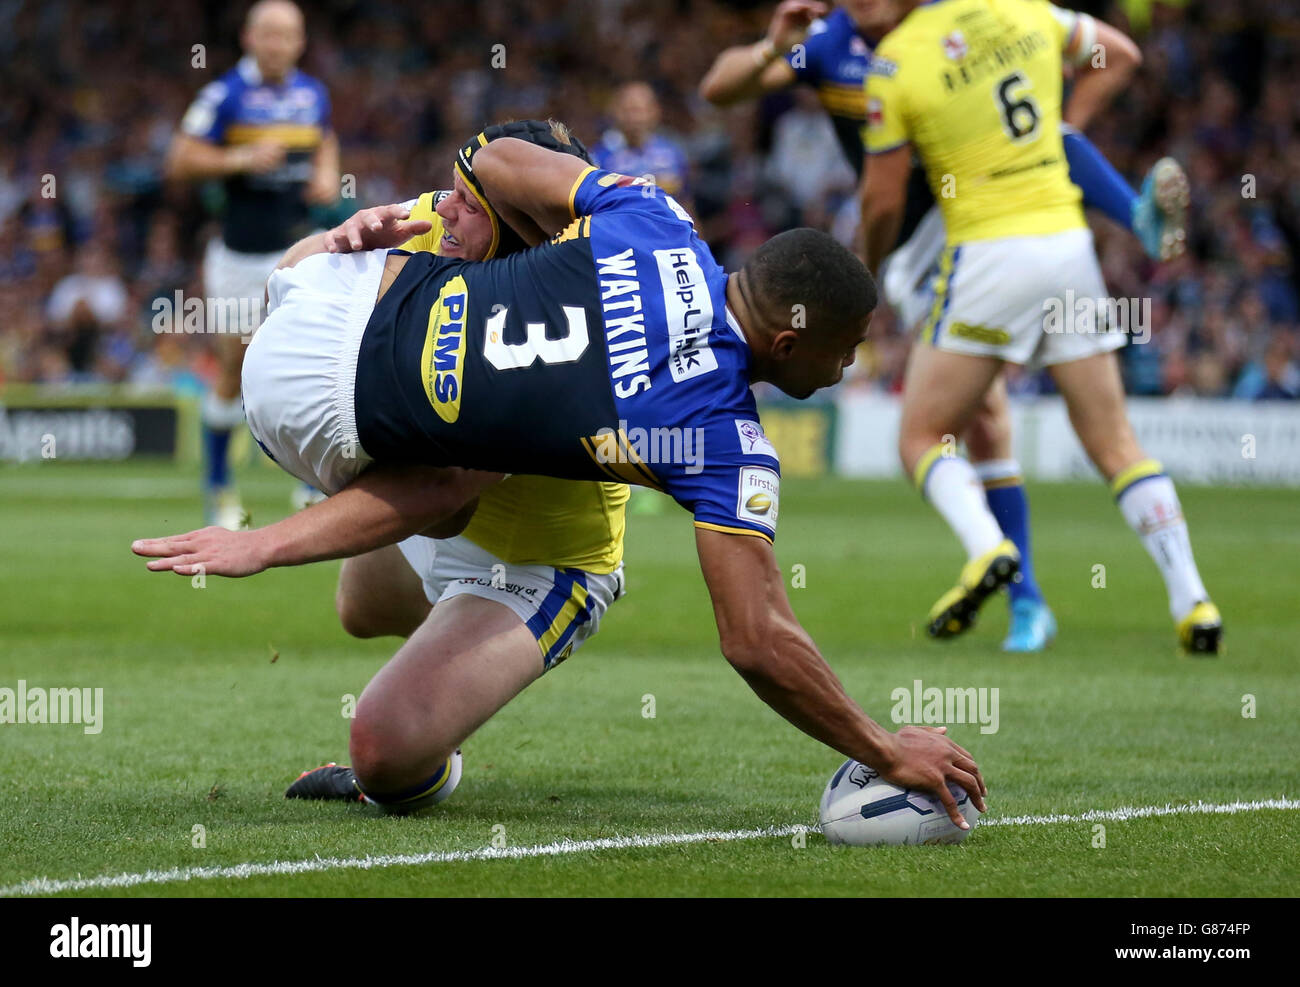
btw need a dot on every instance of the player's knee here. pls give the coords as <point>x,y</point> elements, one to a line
<point>355,615</point>
<point>986,436</point>
<point>373,750</point>
<point>384,748</point>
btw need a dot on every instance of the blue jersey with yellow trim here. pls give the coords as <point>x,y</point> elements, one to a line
<point>833,60</point>
<point>606,354</point>
<point>265,212</point>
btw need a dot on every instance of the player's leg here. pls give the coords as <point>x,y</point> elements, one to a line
<point>988,441</point>
<point>1157,215</point>
<point>495,628</point>
<point>942,391</point>
<point>379,594</point>
<point>221,412</point>
<point>469,658</point>
<point>1146,497</point>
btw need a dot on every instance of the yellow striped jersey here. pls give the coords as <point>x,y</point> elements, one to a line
<point>975,87</point>
<point>540,520</point>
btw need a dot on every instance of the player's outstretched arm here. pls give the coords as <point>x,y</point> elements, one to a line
<point>380,507</point>
<point>746,72</point>
<point>376,228</point>
<point>522,178</point>
<point>763,640</point>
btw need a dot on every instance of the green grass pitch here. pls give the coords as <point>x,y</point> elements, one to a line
<point>202,728</point>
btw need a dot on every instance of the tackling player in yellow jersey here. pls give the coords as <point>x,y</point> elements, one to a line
<point>975,87</point>
<point>534,571</point>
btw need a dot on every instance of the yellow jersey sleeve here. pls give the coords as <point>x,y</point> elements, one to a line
<point>1076,33</point>
<point>423,208</point>
<point>887,125</point>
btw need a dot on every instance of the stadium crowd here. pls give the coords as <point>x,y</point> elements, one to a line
<point>91,233</point>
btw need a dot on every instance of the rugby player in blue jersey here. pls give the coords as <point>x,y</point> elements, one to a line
<point>393,379</point>
<point>262,130</point>
<point>830,50</point>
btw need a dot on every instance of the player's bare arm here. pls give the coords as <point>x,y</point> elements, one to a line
<point>382,506</point>
<point>522,178</point>
<point>193,159</point>
<point>762,639</point>
<point>1102,70</point>
<point>323,188</point>
<point>375,228</point>
<point>884,197</point>
<point>745,72</point>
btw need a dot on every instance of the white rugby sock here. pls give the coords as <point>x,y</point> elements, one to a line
<point>1149,503</point>
<point>950,483</point>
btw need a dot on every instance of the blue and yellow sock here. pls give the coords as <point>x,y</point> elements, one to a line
<point>1004,488</point>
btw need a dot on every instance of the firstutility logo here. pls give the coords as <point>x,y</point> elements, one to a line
<point>443,361</point>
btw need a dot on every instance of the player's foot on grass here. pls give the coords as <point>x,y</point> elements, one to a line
<point>329,781</point>
<point>1160,211</point>
<point>1032,628</point>
<point>1201,631</point>
<point>980,578</point>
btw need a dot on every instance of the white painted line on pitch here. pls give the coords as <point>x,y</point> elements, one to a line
<point>1145,812</point>
<point>45,885</point>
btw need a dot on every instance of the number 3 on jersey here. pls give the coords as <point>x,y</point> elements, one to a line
<point>1020,115</point>
<point>514,356</point>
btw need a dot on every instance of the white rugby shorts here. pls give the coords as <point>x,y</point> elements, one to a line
<point>300,369</point>
<point>1030,300</point>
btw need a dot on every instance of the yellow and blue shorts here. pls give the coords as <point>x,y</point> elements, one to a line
<point>561,607</point>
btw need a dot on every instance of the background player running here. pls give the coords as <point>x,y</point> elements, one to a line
<point>263,129</point>
<point>830,50</point>
<point>974,87</point>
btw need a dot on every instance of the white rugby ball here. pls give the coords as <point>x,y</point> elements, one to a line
<point>860,809</point>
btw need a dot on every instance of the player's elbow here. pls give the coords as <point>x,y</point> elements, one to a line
<point>1114,50</point>
<point>172,168</point>
<point>711,89</point>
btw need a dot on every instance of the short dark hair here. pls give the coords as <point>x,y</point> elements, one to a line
<point>810,268</point>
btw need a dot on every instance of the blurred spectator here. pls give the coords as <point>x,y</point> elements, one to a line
<point>1274,376</point>
<point>633,146</point>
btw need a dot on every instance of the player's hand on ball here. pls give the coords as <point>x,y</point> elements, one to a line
<point>790,22</point>
<point>925,760</point>
<point>209,551</point>
<point>376,228</point>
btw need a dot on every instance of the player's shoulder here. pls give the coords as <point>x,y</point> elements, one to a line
<point>834,28</point>
<point>599,190</point>
<point>301,80</point>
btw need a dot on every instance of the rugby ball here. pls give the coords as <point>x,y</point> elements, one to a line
<point>859,808</point>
